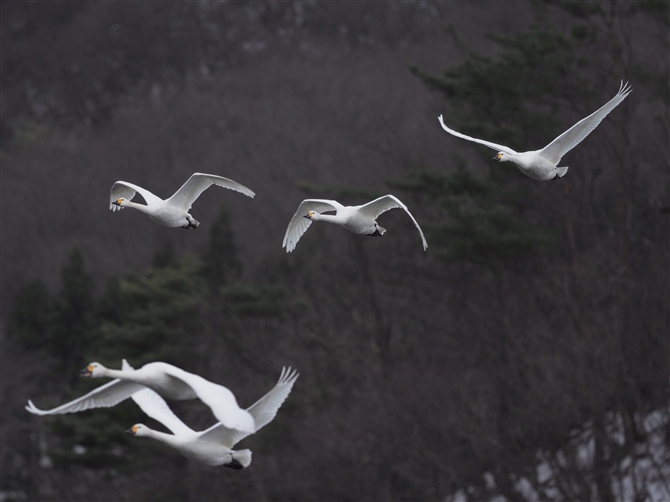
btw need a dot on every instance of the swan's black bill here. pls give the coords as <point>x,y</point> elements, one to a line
<point>130,432</point>
<point>116,203</point>
<point>85,373</point>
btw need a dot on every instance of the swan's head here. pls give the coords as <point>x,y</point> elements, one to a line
<point>500,157</point>
<point>310,215</point>
<point>138,430</point>
<point>119,202</point>
<point>94,370</point>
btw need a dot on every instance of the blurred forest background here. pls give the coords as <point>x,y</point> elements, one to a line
<point>523,357</point>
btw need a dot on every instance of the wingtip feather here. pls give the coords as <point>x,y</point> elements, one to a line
<point>288,376</point>
<point>624,89</point>
<point>33,409</point>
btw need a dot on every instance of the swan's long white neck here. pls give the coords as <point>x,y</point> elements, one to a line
<point>131,375</point>
<point>139,207</point>
<point>168,439</point>
<point>332,218</point>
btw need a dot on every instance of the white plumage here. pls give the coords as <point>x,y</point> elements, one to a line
<point>356,219</point>
<point>165,379</point>
<point>172,212</point>
<point>543,164</point>
<point>212,446</point>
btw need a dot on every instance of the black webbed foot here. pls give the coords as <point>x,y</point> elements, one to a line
<point>234,465</point>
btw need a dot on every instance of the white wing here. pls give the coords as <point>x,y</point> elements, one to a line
<point>573,136</point>
<point>105,396</point>
<point>125,190</point>
<point>264,411</point>
<point>156,407</point>
<point>198,183</point>
<point>494,146</point>
<point>218,433</point>
<point>218,398</point>
<point>383,204</point>
<point>299,225</point>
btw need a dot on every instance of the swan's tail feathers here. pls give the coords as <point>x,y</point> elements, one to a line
<point>560,172</point>
<point>241,459</point>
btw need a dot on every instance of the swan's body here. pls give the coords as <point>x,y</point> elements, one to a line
<point>543,164</point>
<point>356,219</point>
<point>172,212</point>
<point>212,446</point>
<point>163,378</point>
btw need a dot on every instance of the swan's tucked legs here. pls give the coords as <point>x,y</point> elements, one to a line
<point>192,223</point>
<point>379,231</point>
<point>234,464</point>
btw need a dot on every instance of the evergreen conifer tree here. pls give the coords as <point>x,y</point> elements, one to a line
<point>75,317</point>
<point>165,256</point>
<point>521,98</point>
<point>221,262</point>
<point>32,319</point>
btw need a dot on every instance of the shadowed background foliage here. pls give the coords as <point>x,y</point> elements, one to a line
<point>524,356</point>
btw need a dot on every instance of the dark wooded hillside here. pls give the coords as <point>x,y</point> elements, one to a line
<point>524,356</point>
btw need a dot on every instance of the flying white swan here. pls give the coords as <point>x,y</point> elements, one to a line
<point>542,164</point>
<point>356,219</point>
<point>166,380</point>
<point>172,212</point>
<point>212,446</point>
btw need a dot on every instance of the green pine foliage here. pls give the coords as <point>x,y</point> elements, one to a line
<point>221,263</point>
<point>30,323</point>
<point>261,301</point>
<point>155,315</point>
<point>514,99</point>
<point>478,219</point>
<point>539,310</point>
<point>75,319</point>
<point>160,314</point>
<point>165,256</point>
<point>142,317</point>
<point>62,325</point>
